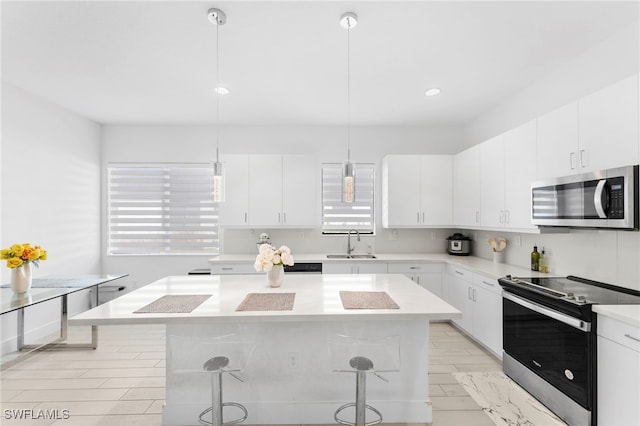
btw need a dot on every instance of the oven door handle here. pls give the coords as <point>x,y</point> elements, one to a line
<point>597,199</point>
<point>571,321</point>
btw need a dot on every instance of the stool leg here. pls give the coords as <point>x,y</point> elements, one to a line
<point>216,398</point>
<point>361,397</point>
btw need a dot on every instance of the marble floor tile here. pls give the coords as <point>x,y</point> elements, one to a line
<point>143,393</point>
<point>504,401</point>
<point>134,382</point>
<point>46,395</point>
<point>112,420</point>
<point>442,378</point>
<point>33,384</point>
<point>461,418</point>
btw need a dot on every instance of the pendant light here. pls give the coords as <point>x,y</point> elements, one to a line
<point>348,21</point>
<point>218,18</point>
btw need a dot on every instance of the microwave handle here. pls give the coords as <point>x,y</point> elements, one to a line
<point>597,199</point>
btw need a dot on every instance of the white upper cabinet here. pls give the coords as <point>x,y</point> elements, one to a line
<point>608,126</point>
<point>416,191</point>
<point>599,131</point>
<point>519,171</point>
<point>466,187</point>
<point>299,191</point>
<point>282,190</point>
<point>558,142</point>
<point>492,176</point>
<point>507,168</point>
<point>235,210</point>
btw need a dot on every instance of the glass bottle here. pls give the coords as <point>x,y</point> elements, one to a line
<point>543,263</point>
<point>535,259</point>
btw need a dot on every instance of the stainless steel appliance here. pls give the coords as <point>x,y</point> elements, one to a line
<point>549,340</point>
<point>459,245</point>
<point>601,199</point>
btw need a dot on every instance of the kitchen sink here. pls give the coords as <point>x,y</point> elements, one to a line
<point>351,256</point>
<point>338,256</point>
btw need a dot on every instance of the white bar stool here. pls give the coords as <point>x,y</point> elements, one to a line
<point>361,354</point>
<point>216,366</point>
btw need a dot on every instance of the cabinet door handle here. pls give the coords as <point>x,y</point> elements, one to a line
<point>507,219</point>
<point>418,217</point>
<point>458,272</point>
<point>284,217</point>
<point>477,216</point>
<point>583,158</point>
<point>279,217</point>
<point>487,283</point>
<point>469,293</point>
<point>632,338</point>
<point>501,216</point>
<point>227,269</point>
<point>474,295</point>
<point>422,217</point>
<point>245,217</point>
<point>418,280</point>
<point>572,160</point>
<point>414,267</point>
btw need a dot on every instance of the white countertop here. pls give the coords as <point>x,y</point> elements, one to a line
<point>625,313</point>
<point>475,264</point>
<point>317,298</point>
<point>629,314</point>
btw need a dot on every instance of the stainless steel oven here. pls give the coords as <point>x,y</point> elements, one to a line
<point>601,199</point>
<point>549,340</point>
<point>558,348</point>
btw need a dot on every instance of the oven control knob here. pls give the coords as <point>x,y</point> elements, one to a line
<point>568,374</point>
<point>581,299</point>
<point>508,277</point>
<point>570,296</point>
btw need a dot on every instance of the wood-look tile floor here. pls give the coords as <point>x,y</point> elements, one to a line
<point>122,382</point>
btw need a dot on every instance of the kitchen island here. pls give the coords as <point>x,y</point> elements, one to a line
<point>295,361</point>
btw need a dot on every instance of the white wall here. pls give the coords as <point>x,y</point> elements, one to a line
<point>327,144</point>
<point>609,61</point>
<point>50,185</point>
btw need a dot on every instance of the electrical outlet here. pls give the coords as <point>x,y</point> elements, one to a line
<point>434,236</point>
<point>293,360</point>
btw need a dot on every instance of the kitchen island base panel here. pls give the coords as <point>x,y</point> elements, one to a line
<point>289,371</point>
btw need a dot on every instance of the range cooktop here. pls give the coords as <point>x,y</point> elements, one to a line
<point>575,290</point>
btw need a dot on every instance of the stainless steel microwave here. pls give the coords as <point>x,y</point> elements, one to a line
<point>601,199</point>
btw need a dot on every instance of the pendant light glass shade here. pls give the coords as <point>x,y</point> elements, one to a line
<point>348,183</point>
<point>218,18</point>
<point>218,182</point>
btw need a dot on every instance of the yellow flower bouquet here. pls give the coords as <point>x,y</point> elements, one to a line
<point>20,254</point>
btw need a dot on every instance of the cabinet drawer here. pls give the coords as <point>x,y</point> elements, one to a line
<point>489,283</point>
<point>461,273</point>
<point>415,268</point>
<point>619,332</point>
<point>232,268</point>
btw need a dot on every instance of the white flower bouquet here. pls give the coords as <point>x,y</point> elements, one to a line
<point>268,257</point>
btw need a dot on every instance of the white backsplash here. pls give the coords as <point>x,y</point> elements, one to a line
<point>608,256</point>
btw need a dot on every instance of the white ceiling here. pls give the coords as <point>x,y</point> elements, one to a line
<point>285,62</point>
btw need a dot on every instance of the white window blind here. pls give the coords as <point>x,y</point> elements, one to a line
<point>162,209</point>
<point>339,217</point>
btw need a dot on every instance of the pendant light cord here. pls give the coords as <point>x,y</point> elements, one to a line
<point>217,94</point>
<point>349,94</point>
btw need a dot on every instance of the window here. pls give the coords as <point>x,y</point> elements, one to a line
<point>339,217</point>
<point>161,209</point>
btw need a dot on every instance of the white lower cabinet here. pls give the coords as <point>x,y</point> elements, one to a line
<point>233,268</point>
<point>618,373</point>
<point>479,298</point>
<point>427,275</point>
<point>354,268</point>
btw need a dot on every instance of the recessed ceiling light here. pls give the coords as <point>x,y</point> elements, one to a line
<point>221,90</point>
<point>434,91</point>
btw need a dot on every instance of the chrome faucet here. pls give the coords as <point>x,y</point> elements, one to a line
<point>349,248</point>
